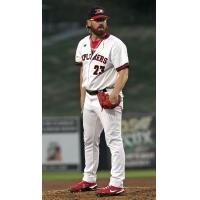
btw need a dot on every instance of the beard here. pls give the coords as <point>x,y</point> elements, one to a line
<point>100,31</point>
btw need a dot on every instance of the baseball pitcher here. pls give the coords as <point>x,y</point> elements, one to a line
<point>104,64</point>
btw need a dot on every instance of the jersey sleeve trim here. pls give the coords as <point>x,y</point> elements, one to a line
<point>126,65</point>
<point>78,63</point>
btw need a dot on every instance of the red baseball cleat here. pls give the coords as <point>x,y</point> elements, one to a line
<point>83,186</point>
<point>109,191</point>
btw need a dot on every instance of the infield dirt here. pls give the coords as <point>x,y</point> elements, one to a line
<point>136,189</point>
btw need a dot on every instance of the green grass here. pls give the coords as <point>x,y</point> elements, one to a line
<point>61,75</point>
<point>71,176</point>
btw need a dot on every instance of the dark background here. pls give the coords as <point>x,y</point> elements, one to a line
<point>63,27</point>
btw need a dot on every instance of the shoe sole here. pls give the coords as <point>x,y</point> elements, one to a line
<point>93,188</point>
<point>110,194</point>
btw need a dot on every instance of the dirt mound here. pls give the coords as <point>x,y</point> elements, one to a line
<point>129,183</point>
<point>132,193</point>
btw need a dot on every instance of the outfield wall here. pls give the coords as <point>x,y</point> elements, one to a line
<point>63,147</point>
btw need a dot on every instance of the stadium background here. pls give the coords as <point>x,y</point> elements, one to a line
<point>63,26</point>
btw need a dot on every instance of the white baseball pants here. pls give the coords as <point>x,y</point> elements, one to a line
<point>95,119</point>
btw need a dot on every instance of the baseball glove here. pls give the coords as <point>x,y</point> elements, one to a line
<point>105,102</point>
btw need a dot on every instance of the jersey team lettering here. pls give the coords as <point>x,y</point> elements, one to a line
<point>97,57</point>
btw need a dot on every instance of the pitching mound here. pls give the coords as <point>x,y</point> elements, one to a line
<point>134,193</point>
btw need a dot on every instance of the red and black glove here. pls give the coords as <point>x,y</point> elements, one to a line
<point>105,101</point>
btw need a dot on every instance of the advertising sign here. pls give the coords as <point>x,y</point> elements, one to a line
<point>61,143</point>
<point>139,137</point>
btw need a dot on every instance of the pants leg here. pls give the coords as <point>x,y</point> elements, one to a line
<point>92,131</point>
<point>111,121</point>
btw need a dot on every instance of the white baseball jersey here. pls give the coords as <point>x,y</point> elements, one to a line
<point>100,71</point>
<point>100,68</point>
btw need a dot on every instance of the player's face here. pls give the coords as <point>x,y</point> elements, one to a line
<point>99,26</point>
